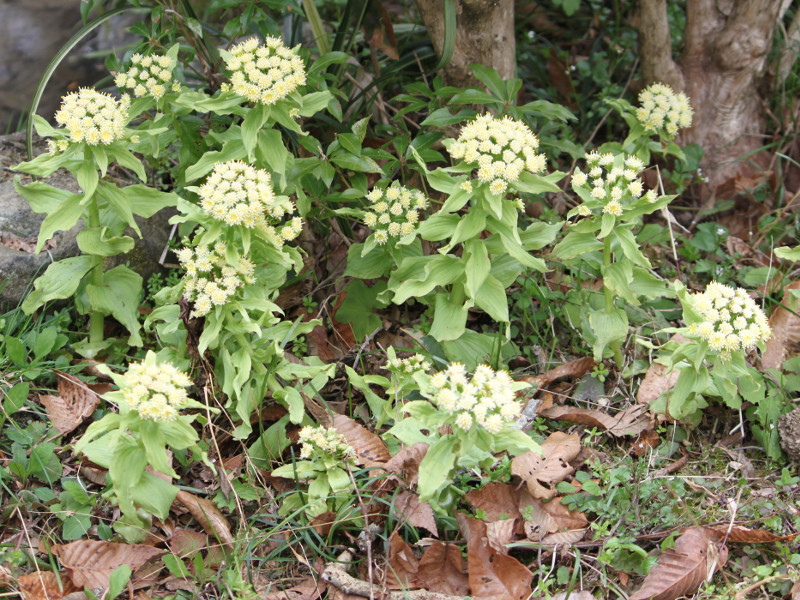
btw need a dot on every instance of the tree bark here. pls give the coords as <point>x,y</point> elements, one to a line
<point>727,42</point>
<point>485,35</point>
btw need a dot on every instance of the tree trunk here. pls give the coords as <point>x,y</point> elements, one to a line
<point>485,35</point>
<point>727,42</point>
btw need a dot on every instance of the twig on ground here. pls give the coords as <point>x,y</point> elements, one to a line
<point>336,575</point>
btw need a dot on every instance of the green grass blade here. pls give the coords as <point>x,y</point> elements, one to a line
<point>320,37</point>
<point>51,67</point>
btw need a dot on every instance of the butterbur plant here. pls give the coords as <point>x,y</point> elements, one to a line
<point>661,114</point>
<point>150,399</point>
<point>723,324</point>
<point>325,458</point>
<point>92,134</point>
<point>601,235</point>
<point>469,420</point>
<point>483,248</point>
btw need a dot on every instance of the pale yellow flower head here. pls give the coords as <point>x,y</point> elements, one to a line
<point>611,182</point>
<point>413,364</point>
<point>156,391</point>
<point>93,117</point>
<point>732,320</point>
<point>395,212</point>
<point>324,443</point>
<point>239,194</point>
<point>265,73</point>
<point>209,280</point>
<point>148,75</point>
<point>663,111</point>
<point>487,399</point>
<point>500,148</point>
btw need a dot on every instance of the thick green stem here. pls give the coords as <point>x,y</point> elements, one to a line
<point>95,316</point>
<point>607,256</point>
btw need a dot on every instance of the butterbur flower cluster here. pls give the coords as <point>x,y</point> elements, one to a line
<point>148,75</point>
<point>93,117</point>
<point>413,364</point>
<point>324,443</point>
<point>731,319</point>
<point>210,281</point>
<point>239,194</point>
<point>395,212</point>
<point>501,148</point>
<point>612,181</point>
<point>663,111</point>
<point>156,391</point>
<point>487,399</point>
<point>265,73</point>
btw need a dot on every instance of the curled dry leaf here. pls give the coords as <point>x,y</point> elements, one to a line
<point>324,522</point>
<point>564,538</point>
<point>401,573</point>
<point>492,575</point>
<point>43,585</point>
<point>409,509</point>
<point>497,501</point>
<point>90,562</point>
<point>541,472</point>
<point>740,534</point>
<point>186,543</point>
<point>499,534</point>
<point>370,449</point>
<point>575,368</point>
<point>75,402</point>
<point>406,462</point>
<point>680,570</point>
<point>630,421</point>
<point>785,326</point>
<point>209,516</point>
<point>582,595</point>
<point>441,569</point>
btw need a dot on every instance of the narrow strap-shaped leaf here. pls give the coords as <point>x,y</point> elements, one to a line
<point>51,67</point>
<point>450,26</point>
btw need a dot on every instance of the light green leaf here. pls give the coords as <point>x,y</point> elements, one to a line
<point>374,264</point>
<point>491,297</point>
<point>477,266</point>
<point>469,226</point>
<point>514,442</point>
<point>62,218</point>
<point>618,278</point>
<point>449,319</point>
<point>788,253</point>
<point>59,281</point>
<point>442,181</point>
<point>359,164</point>
<point>539,234</point>
<point>42,197</point>
<point>251,125</point>
<point>537,184</point>
<point>435,468</point>
<point>126,158</point>
<point>153,494</point>
<point>650,287</point>
<point>314,102</point>
<point>146,201</point>
<point>438,227</point>
<point>97,241</point>
<point>607,328</point>
<point>231,150</point>
<point>418,276</point>
<point>126,468</point>
<point>575,244</point>
<point>119,296</point>
<point>272,151</point>
<point>607,223</point>
<point>118,201</point>
<point>630,248</point>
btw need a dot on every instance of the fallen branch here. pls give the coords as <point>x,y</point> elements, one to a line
<point>336,575</point>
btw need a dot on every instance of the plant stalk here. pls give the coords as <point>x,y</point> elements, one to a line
<point>95,316</point>
<point>615,347</point>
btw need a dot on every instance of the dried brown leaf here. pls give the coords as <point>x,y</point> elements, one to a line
<point>680,570</point>
<point>441,569</point>
<point>43,585</point>
<point>541,471</point>
<point>656,381</point>
<point>324,522</point>
<point>576,369</point>
<point>307,590</point>
<point>492,575</point>
<point>741,534</point>
<point>497,501</point>
<point>647,441</point>
<point>90,562</point>
<point>370,449</point>
<point>406,462</point>
<point>785,326</point>
<point>409,509</point>
<point>581,595</point>
<point>549,517</point>
<point>209,516</point>
<point>564,538</point>
<point>401,573</point>
<point>499,534</point>
<point>186,543</point>
<point>75,402</point>
<point>630,421</point>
